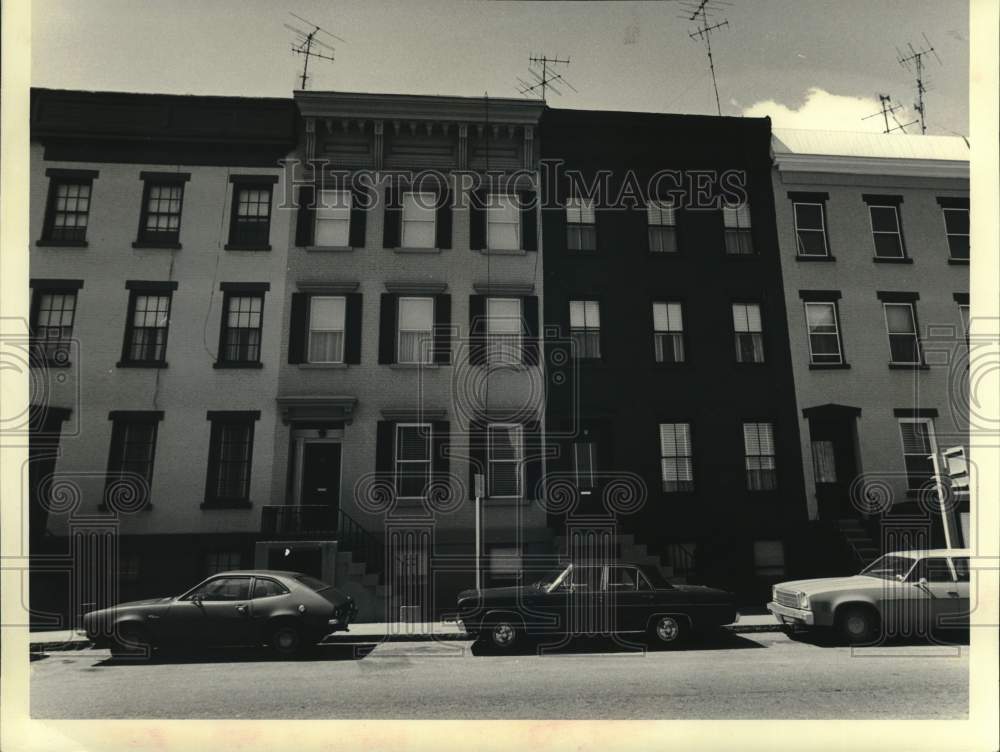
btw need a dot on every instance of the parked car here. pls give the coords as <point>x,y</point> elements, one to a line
<point>585,599</point>
<point>905,592</point>
<point>286,610</point>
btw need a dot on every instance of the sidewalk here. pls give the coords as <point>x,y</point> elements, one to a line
<point>377,632</point>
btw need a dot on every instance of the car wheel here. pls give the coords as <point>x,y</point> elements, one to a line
<point>286,640</point>
<point>858,625</point>
<point>669,630</point>
<point>133,641</point>
<point>504,633</point>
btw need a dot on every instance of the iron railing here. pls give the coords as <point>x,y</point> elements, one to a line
<point>313,520</point>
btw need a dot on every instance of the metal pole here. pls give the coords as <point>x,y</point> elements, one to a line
<point>479,535</point>
<point>940,492</point>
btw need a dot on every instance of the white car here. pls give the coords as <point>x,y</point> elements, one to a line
<point>901,593</point>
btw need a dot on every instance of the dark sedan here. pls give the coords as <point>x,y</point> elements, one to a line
<point>286,610</point>
<point>585,599</point>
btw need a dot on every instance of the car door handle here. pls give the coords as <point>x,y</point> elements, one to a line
<point>152,616</point>
<point>953,593</point>
<point>241,608</point>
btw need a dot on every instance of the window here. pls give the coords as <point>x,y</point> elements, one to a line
<point>675,457</point>
<point>333,219</point>
<point>933,569</point>
<point>223,589</point>
<point>824,462</point>
<point>230,456</point>
<point>963,314</point>
<point>68,209</point>
<point>810,229</point>
<point>581,225</point>
<point>583,464</point>
<point>503,330</point>
<point>585,328</point>
<point>758,445</point>
<point>961,564</point>
<point>749,333</point>
<point>222,561</point>
<point>146,327</point>
<point>242,328</point>
<point>901,324</point>
<point>415,330</point>
<point>326,329</point>
<point>918,445</point>
<point>824,334</point>
<point>250,221</point>
<point>133,447</point>
<point>265,588</point>
<point>668,333</point>
<point>769,558</point>
<point>503,223</point>
<point>505,454</point>
<point>413,459</point>
<point>53,326</point>
<point>886,232</point>
<point>623,578</point>
<point>662,221</point>
<point>956,227</point>
<point>739,236</point>
<point>160,219</point>
<point>419,228</point>
<point>586,579</point>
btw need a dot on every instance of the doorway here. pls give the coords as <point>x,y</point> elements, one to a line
<point>317,479</point>
<point>833,444</point>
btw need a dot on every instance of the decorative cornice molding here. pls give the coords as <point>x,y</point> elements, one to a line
<point>320,286</point>
<point>925,168</point>
<point>414,414</point>
<point>409,108</point>
<point>416,288</point>
<point>309,407</point>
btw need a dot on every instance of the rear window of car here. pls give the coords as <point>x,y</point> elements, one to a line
<point>311,582</point>
<point>264,588</point>
<point>961,568</point>
<point>655,577</point>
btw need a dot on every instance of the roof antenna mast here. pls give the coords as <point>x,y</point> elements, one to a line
<point>306,41</point>
<point>888,108</point>
<point>914,62</point>
<point>700,12</point>
<point>544,79</point>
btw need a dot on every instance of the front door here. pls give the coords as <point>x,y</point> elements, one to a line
<point>320,483</point>
<point>834,465</point>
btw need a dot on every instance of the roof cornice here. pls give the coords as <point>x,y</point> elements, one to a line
<point>335,104</point>
<point>924,168</point>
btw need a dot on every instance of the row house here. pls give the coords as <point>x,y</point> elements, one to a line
<point>158,256</point>
<point>873,231</point>
<point>663,290</point>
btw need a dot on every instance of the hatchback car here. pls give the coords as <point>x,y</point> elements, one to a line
<point>286,610</point>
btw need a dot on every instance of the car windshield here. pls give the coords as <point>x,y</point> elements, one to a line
<point>550,577</point>
<point>888,567</point>
<point>311,582</point>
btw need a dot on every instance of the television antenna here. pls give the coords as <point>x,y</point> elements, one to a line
<point>544,80</point>
<point>914,62</point>
<point>306,41</point>
<point>701,12</point>
<point>888,108</point>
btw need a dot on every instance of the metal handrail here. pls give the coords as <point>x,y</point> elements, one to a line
<point>351,536</point>
<point>682,561</point>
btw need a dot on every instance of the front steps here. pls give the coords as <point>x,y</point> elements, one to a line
<point>858,541</point>
<point>354,579</point>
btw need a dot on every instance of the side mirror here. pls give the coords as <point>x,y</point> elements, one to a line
<point>196,600</point>
<point>922,581</point>
<point>899,578</point>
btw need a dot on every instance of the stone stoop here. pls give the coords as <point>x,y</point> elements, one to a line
<point>859,541</point>
<point>354,579</point>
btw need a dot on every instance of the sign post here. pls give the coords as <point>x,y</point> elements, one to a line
<point>480,492</point>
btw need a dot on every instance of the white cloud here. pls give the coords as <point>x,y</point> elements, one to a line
<point>826,111</point>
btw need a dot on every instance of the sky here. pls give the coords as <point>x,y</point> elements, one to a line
<point>804,63</point>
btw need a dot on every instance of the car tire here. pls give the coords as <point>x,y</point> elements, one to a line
<point>667,630</point>
<point>132,641</point>
<point>858,625</point>
<point>286,640</point>
<point>502,632</point>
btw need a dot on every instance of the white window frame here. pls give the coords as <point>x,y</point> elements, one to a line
<point>490,222</point>
<point>518,461</point>
<point>822,228</point>
<point>898,233</point>
<point>330,212</point>
<point>836,331</point>
<point>948,235</point>
<point>670,331</point>
<point>425,354</point>
<point>664,480</point>
<point>311,329</point>
<point>426,430</point>
<point>589,307</point>
<point>915,333</point>
<point>932,440</point>
<point>425,203</point>
<point>510,354</point>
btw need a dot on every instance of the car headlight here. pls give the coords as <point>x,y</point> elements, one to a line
<point>803,601</point>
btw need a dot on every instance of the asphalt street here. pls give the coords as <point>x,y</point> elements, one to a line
<point>726,676</point>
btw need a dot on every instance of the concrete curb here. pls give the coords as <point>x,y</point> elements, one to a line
<point>342,638</point>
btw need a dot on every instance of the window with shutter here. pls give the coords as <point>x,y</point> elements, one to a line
<point>415,330</point>
<point>419,220</point>
<point>505,455</point>
<point>503,223</point>
<point>333,219</point>
<point>503,331</point>
<point>327,326</point>
<point>412,459</point>
<point>676,467</point>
